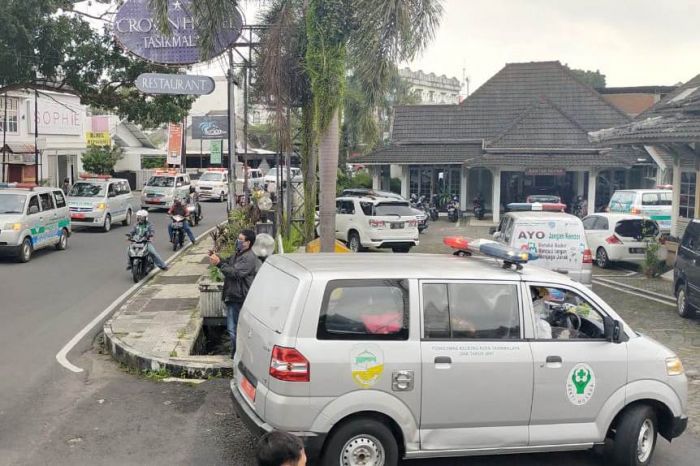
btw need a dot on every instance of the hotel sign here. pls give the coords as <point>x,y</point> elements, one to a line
<point>183,84</point>
<point>137,31</point>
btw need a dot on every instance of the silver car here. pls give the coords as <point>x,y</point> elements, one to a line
<point>99,202</point>
<point>32,219</point>
<point>371,358</point>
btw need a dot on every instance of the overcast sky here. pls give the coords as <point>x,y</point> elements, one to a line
<point>632,42</point>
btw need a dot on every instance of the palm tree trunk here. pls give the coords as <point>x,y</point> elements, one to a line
<point>309,165</point>
<point>328,148</point>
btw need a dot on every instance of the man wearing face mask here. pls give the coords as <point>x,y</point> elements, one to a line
<point>239,271</point>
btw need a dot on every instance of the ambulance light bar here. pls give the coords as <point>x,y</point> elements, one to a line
<point>216,169</point>
<point>166,171</point>
<point>536,207</point>
<point>29,186</point>
<point>92,176</point>
<point>509,256</point>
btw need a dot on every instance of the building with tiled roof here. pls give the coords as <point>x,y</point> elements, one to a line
<point>525,131</point>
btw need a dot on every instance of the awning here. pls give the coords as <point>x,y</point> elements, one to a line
<point>18,148</point>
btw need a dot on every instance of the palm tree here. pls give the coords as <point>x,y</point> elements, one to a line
<point>370,37</point>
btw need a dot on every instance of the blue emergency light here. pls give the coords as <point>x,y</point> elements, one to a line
<point>8,185</point>
<point>489,248</point>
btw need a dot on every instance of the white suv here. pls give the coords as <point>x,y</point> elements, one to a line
<point>378,222</point>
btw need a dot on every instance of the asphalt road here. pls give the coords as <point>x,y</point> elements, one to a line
<point>44,303</point>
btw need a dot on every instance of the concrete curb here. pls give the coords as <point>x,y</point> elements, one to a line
<point>188,367</point>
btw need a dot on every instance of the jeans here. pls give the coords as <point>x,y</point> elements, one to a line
<point>156,257</point>
<point>185,226</point>
<point>232,311</point>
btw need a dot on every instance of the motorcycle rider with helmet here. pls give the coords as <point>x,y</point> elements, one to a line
<point>180,209</point>
<point>144,228</point>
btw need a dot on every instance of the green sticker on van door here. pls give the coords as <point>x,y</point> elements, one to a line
<point>580,384</point>
<point>367,365</point>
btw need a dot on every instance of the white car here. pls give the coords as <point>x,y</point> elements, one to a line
<point>255,179</point>
<point>99,201</point>
<point>270,180</point>
<point>213,184</point>
<point>619,237</point>
<point>163,187</point>
<point>378,222</point>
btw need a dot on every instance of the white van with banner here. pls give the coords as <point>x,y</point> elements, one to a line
<point>555,238</point>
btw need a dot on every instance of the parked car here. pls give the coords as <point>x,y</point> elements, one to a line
<point>388,356</point>
<point>32,218</point>
<point>213,184</point>
<point>163,187</point>
<point>652,203</point>
<point>619,237</point>
<point>686,271</point>
<point>100,201</point>
<point>270,179</point>
<point>543,198</point>
<point>379,222</point>
<point>557,240</point>
<point>364,192</point>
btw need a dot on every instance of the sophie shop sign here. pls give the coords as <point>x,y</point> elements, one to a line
<point>56,117</point>
<point>137,31</point>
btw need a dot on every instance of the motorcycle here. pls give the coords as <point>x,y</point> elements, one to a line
<point>178,235</point>
<point>478,207</point>
<point>453,209</point>
<point>194,209</point>
<point>140,259</point>
<point>432,208</point>
<point>580,207</point>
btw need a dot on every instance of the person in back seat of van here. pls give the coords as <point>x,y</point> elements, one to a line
<point>278,448</point>
<point>239,271</point>
<point>543,329</point>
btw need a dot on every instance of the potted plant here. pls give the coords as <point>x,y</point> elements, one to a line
<point>671,245</point>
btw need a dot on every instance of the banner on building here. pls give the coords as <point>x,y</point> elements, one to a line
<point>545,172</point>
<point>210,127</point>
<point>215,152</point>
<point>174,143</point>
<point>99,132</point>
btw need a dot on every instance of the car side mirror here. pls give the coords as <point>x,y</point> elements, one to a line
<point>612,330</point>
<point>33,210</point>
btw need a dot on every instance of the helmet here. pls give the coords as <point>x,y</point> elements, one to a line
<point>142,216</point>
<point>177,200</point>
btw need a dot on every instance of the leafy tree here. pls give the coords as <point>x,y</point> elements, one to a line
<point>595,79</point>
<point>153,162</point>
<point>48,44</point>
<point>101,160</point>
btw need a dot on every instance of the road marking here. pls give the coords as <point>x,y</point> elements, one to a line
<point>637,289</point>
<point>61,356</point>
<point>628,274</point>
<point>616,287</point>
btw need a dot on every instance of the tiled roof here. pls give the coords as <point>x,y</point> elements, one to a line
<point>565,161</point>
<point>676,118</point>
<point>421,154</point>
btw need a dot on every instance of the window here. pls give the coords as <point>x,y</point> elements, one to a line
<point>345,207</point>
<point>112,192</point>
<point>124,187</point>
<point>482,311</point>
<point>364,310</point>
<point>367,208</point>
<point>622,201</point>
<point>392,209</point>
<point>562,314</point>
<point>691,237</point>
<point>12,106</point>
<point>33,202</point>
<point>637,229</point>
<point>46,201</point>
<point>687,203</point>
<point>589,222</point>
<point>60,200</point>
<point>601,224</point>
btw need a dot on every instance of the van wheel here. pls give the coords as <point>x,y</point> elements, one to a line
<point>635,437</point>
<point>108,223</point>
<point>127,220</point>
<point>25,251</point>
<point>354,243</point>
<point>361,442</point>
<point>62,241</point>
<point>685,310</point>
<point>601,258</point>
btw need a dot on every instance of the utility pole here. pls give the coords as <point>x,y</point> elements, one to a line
<point>231,137</point>
<point>4,141</point>
<point>36,136</point>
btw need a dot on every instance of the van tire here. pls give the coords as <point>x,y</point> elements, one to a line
<point>127,219</point>
<point>25,251</point>
<point>108,223</point>
<point>601,258</point>
<point>62,241</point>
<point>684,309</point>
<point>636,433</point>
<point>359,436</point>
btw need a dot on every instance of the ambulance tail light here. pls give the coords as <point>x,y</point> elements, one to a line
<point>289,365</point>
<point>613,240</point>
<point>587,256</point>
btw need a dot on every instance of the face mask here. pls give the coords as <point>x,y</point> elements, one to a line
<point>239,245</point>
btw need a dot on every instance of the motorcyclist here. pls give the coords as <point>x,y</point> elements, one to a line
<point>180,209</point>
<point>144,228</point>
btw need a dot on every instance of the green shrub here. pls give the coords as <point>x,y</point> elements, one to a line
<point>652,266</point>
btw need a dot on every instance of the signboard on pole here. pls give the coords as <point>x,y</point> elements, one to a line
<point>215,151</point>
<point>174,143</point>
<point>210,127</point>
<point>99,132</point>
<point>137,31</point>
<point>179,84</point>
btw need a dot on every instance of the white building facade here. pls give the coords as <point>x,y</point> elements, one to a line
<point>430,88</point>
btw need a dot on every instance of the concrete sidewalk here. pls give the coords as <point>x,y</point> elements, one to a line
<point>159,326</point>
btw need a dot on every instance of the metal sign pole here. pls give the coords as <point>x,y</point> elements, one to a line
<point>36,136</point>
<point>4,141</point>
<point>231,204</point>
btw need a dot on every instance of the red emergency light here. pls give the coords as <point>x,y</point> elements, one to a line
<point>166,171</point>
<point>92,176</point>
<point>29,186</point>
<point>536,207</point>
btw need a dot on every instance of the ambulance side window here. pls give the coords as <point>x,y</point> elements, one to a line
<point>60,200</point>
<point>46,201</point>
<point>562,314</point>
<point>33,205</point>
<point>508,232</point>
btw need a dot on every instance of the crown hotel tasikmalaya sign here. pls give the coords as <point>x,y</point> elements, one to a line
<point>137,31</point>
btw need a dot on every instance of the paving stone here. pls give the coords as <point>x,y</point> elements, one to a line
<point>178,279</point>
<point>172,304</point>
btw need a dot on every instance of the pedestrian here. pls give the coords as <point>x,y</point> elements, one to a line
<point>66,186</point>
<point>278,448</point>
<point>239,271</point>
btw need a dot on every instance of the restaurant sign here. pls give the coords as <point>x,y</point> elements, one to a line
<point>182,84</point>
<point>137,31</point>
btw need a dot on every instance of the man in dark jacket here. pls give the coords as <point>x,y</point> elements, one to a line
<point>239,271</point>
